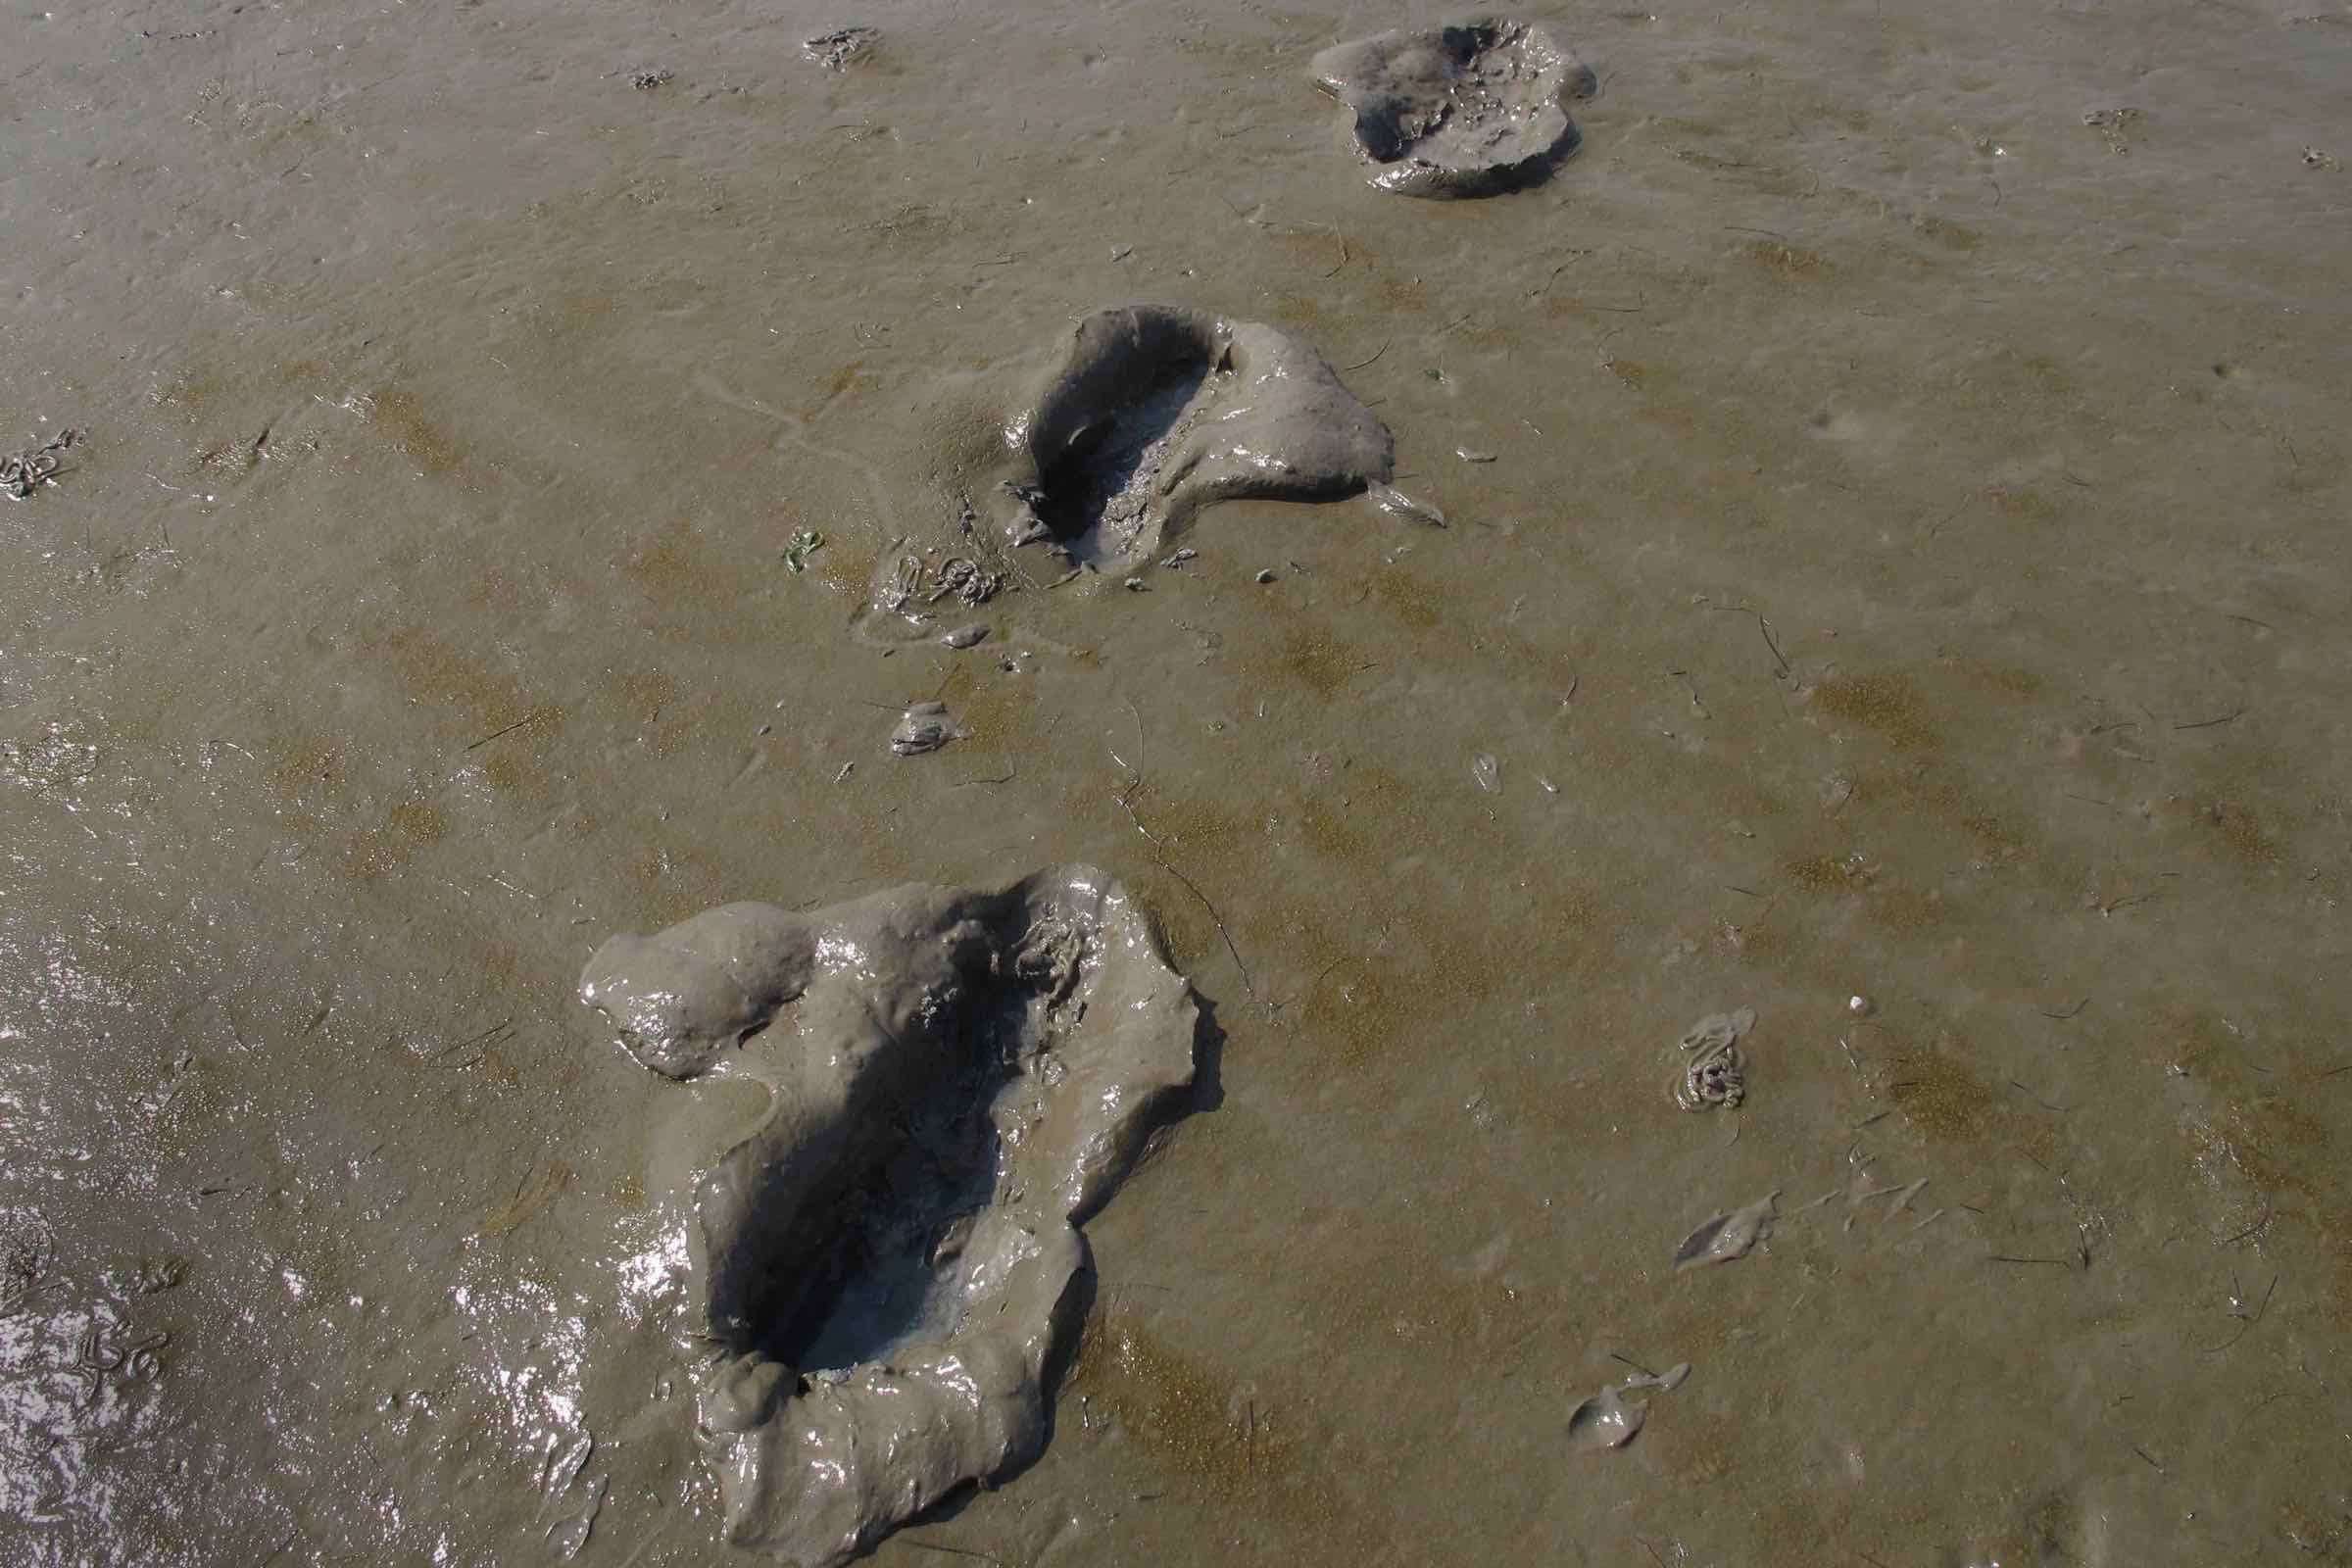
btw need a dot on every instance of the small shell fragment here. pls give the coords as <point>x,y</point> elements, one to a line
<point>1136,585</point>
<point>1487,771</point>
<point>1390,499</point>
<point>1673,1378</point>
<point>1266,575</point>
<point>1606,1421</point>
<point>966,636</point>
<point>1468,454</point>
<point>1728,1237</point>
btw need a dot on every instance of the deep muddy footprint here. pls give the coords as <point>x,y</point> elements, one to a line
<point>1469,110</point>
<point>1156,413</point>
<point>941,1084</point>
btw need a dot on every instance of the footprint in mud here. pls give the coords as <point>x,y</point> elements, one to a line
<point>882,1239</point>
<point>1471,109</point>
<point>1156,413</point>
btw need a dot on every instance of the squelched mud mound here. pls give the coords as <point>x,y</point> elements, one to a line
<point>1469,110</point>
<point>881,1256</point>
<point>1156,413</point>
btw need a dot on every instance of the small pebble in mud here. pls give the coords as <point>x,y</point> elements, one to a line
<point>1487,771</point>
<point>648,80</point>
<point>1136,585</point>
<point>1860,1007</point>
<point>1187,553</point>
<point>966,636</point>
<point>1266,575</point>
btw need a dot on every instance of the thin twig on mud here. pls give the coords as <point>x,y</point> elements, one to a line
<point>1159,853</point>
<point>1762,626</point>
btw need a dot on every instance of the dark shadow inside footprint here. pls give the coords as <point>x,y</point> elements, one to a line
<point>894,1272</point>
<point>1102,440</point>
<point>871,1256</point>
<point>1156,412</point>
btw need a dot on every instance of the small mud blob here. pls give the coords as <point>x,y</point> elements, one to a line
<point>1156,413</point>
<point>881,1243</point>
<point>1471,109</point>
<point>840,49</point>
<point>1714,1068</point>
<point>1728,1237</point>
<point>1606,1420</point>
<point>966,636</point>
<point>923,727</point>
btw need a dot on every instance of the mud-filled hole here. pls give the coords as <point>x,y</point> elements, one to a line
<point>1103,440</point>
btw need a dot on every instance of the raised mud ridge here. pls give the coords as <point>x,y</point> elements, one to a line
<point>882,1257</point>
<point>1158,412</point>
<point>1468,109</point>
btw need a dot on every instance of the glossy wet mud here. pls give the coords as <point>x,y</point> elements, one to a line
<point>885,1263</point>
<point>1158,413</point>
<point>1910,566</point>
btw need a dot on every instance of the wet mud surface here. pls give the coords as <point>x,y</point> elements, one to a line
<point>1891,550</point>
